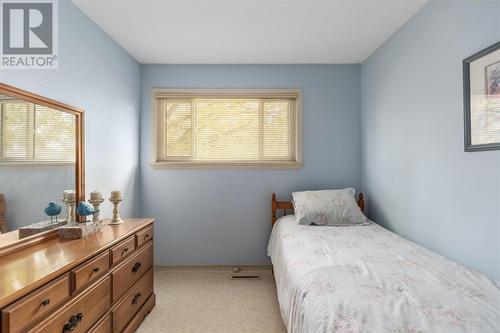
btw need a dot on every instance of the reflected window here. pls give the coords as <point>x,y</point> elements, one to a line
<point>35,133</point>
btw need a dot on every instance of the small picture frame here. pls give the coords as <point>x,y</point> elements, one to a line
<point>481,72</point>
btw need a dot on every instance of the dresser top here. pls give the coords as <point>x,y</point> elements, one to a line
<point>27,269</point>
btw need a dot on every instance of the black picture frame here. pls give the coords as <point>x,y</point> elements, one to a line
<point>469,147</point>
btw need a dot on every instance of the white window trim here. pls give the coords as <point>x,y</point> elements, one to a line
<point>37,165</point>
<point>156,164</point>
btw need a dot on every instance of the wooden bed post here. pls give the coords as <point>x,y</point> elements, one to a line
<point>273,209</point>
<point>275,205</point>
<point>361,202</point>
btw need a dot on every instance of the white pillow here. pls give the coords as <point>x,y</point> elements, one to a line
<point>328,207</point>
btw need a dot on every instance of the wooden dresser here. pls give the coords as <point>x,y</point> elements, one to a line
<point>100,284</point>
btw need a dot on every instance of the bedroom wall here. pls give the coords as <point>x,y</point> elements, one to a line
<point>98,76</point>
<point>17,185</point>
<point>418,179</point>
<point>210,217</point>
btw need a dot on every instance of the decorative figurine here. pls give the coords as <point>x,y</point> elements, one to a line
<point>84,209</point>
<point>53,209</point>
<point>96,199</point>
<point>82,229</point>
<point>116,197</point>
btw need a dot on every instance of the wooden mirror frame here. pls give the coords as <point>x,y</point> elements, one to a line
<point>12,242</point>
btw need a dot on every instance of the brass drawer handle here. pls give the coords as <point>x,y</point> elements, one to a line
<point>136,267</point>
<point>46,302</point>
<point>136,298</point>
<point>146,236</point>
<point>125,250</point>
<point>73,322</point>
<point>95,270</point>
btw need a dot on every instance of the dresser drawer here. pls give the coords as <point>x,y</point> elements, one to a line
<point>139,317</point>
<point>35,305</point>
<point>131,270</point>
<point>144,236</point>
<point>122,250</point>
<point>132,301</point>
<point>90,271</point>
<point>102,326</point>
<point>81,312</point>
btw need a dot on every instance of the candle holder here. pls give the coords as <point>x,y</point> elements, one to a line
<point>116,214</point>
<point>70,201</point>
<point>96,200</point>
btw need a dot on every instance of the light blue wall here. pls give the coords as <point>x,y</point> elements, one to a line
<point>223,216</point>
<point>418,179</point>
<point>409,155</point>
<point>98,76</point>
<point>27,192</point>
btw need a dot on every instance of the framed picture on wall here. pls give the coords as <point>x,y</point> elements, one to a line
<point>482,99</point>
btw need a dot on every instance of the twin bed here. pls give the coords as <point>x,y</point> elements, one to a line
<point>368,279</point>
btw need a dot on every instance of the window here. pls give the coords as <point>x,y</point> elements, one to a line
<point>206,128</point>
<point>31,133</point>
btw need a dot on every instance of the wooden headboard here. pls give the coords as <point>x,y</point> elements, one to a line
<point>287,205</point>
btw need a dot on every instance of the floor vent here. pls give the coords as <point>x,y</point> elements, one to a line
<point>245,277</point>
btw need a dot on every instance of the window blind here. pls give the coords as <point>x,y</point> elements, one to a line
<point>35,133</point>
<point>227,129</point>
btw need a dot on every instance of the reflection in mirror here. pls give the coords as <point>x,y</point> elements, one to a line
<point>37,159</point>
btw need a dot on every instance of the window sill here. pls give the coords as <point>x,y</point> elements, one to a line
<point>226,165</point>
<point>36,165</point>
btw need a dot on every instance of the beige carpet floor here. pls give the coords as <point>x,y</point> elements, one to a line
<point>206,301</point>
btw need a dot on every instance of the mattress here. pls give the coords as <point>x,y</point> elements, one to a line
<point>368,279</point>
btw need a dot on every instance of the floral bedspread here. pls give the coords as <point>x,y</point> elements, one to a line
<point>368,279</point>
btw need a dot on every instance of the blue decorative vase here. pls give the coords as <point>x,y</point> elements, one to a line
<point>53,209</point>
<point>84,209</point>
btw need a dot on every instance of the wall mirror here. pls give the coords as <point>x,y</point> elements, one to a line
<point>41,155</point>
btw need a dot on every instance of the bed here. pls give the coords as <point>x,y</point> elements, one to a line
<point>368,279</point>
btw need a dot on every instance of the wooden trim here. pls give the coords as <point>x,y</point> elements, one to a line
<point>10,241</point>
<point>80,158</point>
<point>285,205</point>
<point>9,90</point>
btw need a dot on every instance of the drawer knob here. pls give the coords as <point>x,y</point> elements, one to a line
<point>125,250</point>
<point>136,298</point>
<point>73,322</point>
<point>136,267</point>
<point>146,236</point>
<point>95,270</point>
<point>46,302</point>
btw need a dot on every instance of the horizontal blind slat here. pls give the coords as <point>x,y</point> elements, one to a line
<point>226,129</point>
<point>35,133</point>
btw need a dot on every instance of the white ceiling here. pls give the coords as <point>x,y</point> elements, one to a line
<point>250,31</point>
